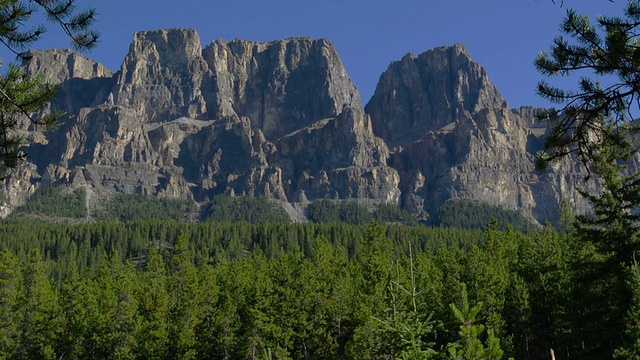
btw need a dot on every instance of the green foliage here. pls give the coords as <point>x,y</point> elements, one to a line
<point>153,306</point>
<point>186,294</point>
<point>357,213</point>
<point>56,203</point>
<point>37,315</point>
<point>324,211</point>
<point>324,291</point>
<point>249,209</point>
<point>350,212</point>
<point>607,242</point>
<point>601,107</point>
<point>470,345</point>
<point>20,95</point>
<point>408,330</point>
<point>10,282</point>
<point>631,348</point>
<point>613,228</point>
<point>468,214</point>
<point>388,213</point>
<point>15,14</point>
<point>595,124</point>
<point>127,207</point>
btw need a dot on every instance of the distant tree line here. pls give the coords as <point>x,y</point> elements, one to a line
<point>245,208</point>
<point>471,214</point>
<point>357,213</point>
<point>56,202</point>
<point>63,203</point>
<point>127,207</point>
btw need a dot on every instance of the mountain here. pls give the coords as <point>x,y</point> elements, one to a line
<point>454,136</point>
<point>283,120</point>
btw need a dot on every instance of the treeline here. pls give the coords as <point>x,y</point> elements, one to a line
<point>357,213</point>
<point>168,290</point>
<point>469,214</point>
<point>61,203</point>
<point>176,299</point>
<point>56,202</point>
<point>85,245</point>
<point>245,208</point>
<point>126,207</point>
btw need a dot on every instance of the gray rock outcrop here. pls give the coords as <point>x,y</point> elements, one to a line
<point>281,86</point>
<point>239,117</point>
<point>455,137</point>
<point>283,120</point>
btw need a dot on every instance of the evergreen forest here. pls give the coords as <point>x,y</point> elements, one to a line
<point>151,289</point>
<point>133,277</point>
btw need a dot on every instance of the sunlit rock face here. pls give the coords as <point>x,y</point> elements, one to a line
<point>281,86</point>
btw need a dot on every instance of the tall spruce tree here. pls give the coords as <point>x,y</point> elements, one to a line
<point>38,315</point>
<point>10,282</point>
<point>23,95</point>
<point>596,125</point>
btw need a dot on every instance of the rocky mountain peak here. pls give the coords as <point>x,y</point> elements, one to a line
<point>282,119</point>
<point>162,75</point>
<point>456,138</point>
<point>428,92</point>
<point>58,65</point>
<point>281,85</point>
<point>83,81</point>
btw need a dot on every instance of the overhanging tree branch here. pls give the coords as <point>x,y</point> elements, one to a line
<point>23,95</point>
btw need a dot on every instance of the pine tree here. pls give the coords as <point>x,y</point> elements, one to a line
<point>595,125</point>
<point>608,241</point>
<point>117,322</point>
<point>186,305</point>
<point>631,348</point>
<point>470,345</point>
<point>24,95</point>
<point>153,308</point>
<point>595,112</point>
<point>78,308</point>
<point>10,282</point>
<point>38,316</point>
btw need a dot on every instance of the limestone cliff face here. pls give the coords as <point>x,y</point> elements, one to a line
<point>163,75</point>
<point>240,117</point>
<point>59,65</point>
<point>454,136</point>
<point>83,82</point>
<point>441,85</point>
<point>318,164</point>
<point>283,120</point>
<point>281,86</point>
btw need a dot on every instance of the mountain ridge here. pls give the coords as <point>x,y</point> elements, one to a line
<point>283,120</point>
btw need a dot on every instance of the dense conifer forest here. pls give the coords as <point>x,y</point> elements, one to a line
<point>151,289</point>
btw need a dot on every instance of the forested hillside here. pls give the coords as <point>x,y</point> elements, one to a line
<point>61,204</point>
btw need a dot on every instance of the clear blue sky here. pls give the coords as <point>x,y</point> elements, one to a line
<point>504,36</point>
